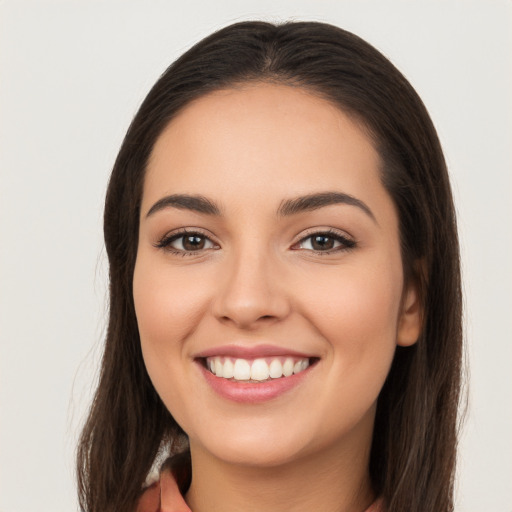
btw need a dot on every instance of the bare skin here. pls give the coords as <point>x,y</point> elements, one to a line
<point>258,269</point>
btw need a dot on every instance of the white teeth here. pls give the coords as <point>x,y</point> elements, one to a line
<point>229,369</point>
<point>242,370</point>
<point>300,366</point>
<point>219,368</point>
<point>256,370</point>
<point>259,370</point>
<point>288,367</point>
<point>275,369</point>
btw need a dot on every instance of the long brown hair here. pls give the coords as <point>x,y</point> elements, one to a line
<point>413,453</point>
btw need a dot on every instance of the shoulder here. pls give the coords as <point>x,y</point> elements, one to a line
<point>164,495</point>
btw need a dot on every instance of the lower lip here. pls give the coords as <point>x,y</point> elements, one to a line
<point>249,392</point>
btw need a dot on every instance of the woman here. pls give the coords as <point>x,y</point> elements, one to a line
<point>285,304</point>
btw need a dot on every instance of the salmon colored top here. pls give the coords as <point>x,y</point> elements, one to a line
<point>164,496</point>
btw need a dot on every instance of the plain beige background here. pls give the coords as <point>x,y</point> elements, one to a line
<point>73,73</point>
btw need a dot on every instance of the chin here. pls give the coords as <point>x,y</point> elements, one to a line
<point>273,442</point>
<point>254,451</point>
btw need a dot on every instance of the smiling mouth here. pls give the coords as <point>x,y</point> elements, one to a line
<point>256,370</point>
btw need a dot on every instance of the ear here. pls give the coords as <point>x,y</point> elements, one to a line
<point>410,321</point>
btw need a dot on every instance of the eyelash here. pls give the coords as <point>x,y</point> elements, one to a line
<point>167,240</point>
<point>346,243</point>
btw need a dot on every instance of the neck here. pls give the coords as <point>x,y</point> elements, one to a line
<point>335,480</point>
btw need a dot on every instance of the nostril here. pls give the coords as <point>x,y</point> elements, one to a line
<point>247,319</point>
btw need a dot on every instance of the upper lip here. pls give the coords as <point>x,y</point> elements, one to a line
<point>250,352</point>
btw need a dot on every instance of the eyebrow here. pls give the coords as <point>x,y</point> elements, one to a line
<point>320,200</point>
<point>288,207</point>
<point>198,204</point>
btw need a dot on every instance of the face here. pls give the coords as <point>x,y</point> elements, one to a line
<point>268,284</point>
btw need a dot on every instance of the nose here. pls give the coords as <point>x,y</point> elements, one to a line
<point>251,293</point>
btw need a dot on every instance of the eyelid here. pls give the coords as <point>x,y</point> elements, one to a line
<point>347,241</point>
<point>165,241</point>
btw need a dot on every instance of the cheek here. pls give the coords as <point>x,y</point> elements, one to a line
<point>356,311</point>
<point>168,306</point>
<point>356,315</point>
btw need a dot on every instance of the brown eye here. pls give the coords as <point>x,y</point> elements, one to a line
<point>193,242</point>
<point>325,242</point>
<point>186,243</point>
<point>322,243</point>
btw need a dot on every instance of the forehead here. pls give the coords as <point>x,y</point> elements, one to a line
<point>262,139</point>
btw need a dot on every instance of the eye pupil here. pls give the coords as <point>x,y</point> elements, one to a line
<point>322,242</point>
<point>193,242</point>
